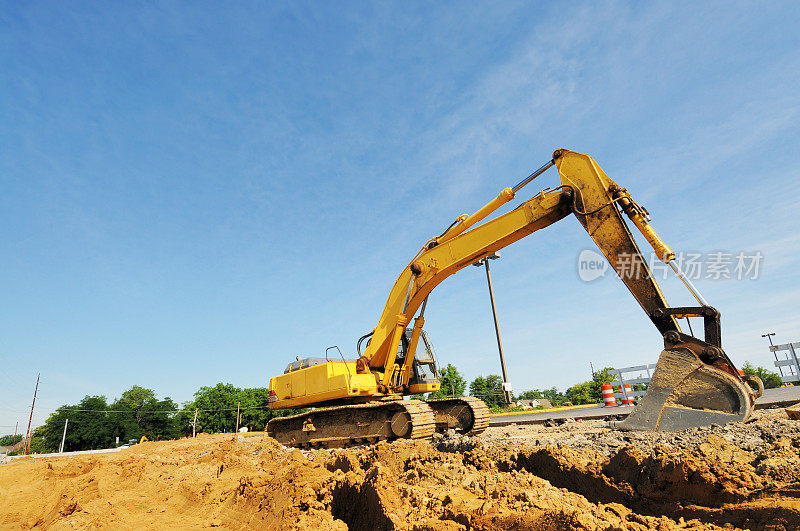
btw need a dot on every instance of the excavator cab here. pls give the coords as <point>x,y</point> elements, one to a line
<point>424,373</point>
<point>425,376</point>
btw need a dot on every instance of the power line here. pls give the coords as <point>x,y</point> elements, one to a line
<point>153,412</point>
<point>3,364</point>
<point>157,411</point>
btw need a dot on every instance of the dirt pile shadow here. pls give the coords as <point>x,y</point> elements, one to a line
<point>718,483</point>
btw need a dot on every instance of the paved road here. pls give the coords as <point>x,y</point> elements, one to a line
<point>771,397</point>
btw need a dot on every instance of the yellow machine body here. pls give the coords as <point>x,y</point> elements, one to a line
<point>326,382</point>
<point>330,382</point>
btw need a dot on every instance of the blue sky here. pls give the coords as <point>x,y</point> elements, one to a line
<point>194,193</point>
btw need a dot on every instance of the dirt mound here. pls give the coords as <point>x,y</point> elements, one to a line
<point>204,482</point>
<point>756,435</point>
<point>249,482</point>
<point>496,481</point>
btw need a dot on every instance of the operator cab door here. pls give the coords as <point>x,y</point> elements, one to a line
<point>424,375</point>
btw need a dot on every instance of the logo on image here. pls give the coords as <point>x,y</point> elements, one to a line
<point>591,265</point>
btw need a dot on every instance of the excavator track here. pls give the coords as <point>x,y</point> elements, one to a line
<point>343,426</point>
<point>467,415</point>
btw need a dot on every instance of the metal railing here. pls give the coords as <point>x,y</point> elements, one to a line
<point>790,361</point>
<point>620,381</point>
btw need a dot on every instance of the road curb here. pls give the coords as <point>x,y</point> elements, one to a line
<point>546,410</point>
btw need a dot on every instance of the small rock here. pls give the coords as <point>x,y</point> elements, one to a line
<point>793,412</point>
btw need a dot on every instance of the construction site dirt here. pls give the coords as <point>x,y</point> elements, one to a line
<point>577,475</point>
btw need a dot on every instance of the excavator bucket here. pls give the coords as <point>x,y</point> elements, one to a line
<point>687,392</point>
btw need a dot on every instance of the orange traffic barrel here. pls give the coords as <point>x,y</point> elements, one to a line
<point>608,395</point>
<point>627,393</point>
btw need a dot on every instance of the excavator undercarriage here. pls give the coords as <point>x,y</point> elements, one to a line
<point>385,420</point>
<point>360,401</point>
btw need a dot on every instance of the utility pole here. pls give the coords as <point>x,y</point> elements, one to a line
<point>237,416</point>
<point>506,386</point>
<point>769,335</point>
<point>63,437</point>
<point>30,419</point>
<point>194,424</point>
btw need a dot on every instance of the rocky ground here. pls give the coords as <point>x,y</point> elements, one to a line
<point>765,427</point>
<point>578,475</point>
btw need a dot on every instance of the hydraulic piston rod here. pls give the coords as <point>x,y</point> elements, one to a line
<point>687,283</point>
<point>533,175</point>
<point>504,197</point>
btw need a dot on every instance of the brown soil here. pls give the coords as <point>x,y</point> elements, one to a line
<point>509,478</point>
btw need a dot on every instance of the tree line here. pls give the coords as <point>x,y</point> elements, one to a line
<point>95,423</point>
<point>490,389</point>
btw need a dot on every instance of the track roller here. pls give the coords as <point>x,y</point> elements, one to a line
<point>466,415</point>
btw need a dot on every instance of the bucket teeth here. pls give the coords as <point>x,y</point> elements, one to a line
<point>685,393</point>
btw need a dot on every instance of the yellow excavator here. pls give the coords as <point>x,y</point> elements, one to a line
<point>361,401</point>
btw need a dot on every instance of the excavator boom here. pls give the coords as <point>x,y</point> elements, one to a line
<point>695,383</point>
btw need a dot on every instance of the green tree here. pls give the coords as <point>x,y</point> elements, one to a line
<point>94,424</point>
<point>530,395</point>
<point>38,445</point>
<point>477,388</point>
<point>770,379</point>
<point>255,411</point>
<point>10,440</point>
<point>553,395</point>
<point>88,428</point>
<point>217,409</point>
<point>581,393</point>
<point>452,383</point>
<point>488,389</point>
<point>138,412</point>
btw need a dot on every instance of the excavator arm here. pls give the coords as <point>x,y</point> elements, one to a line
<point>599,204</point>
